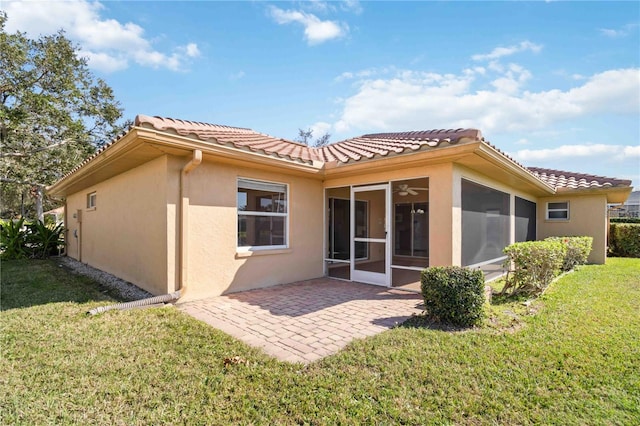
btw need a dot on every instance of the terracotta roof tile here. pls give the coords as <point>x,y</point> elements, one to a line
<point>563,179</point>
<point>365,147</point>
<point>384,144</point>
<point>238,137</point>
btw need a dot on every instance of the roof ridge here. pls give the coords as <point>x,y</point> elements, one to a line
<point>427,134</point>
<point>565,178</point>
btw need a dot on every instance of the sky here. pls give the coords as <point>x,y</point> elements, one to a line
<point>553,84</point>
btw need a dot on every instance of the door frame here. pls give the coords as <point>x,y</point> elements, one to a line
<point>382,279</point>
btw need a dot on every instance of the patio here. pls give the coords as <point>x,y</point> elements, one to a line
<point>308,320</point>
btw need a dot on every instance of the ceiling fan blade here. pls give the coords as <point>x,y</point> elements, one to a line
<point>411,191</point>
<point>419,189</point>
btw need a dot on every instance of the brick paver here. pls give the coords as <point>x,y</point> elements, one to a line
<point>308,320</point>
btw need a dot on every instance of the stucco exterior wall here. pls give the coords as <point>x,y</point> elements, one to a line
<point>125,234</point>
<point>214,264</point>
<point>587,216</point>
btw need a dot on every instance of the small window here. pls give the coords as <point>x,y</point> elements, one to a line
<point>558,211</point>
<point>91,200</point>
<point>262,214</point>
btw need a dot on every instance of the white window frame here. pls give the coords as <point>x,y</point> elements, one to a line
<point>91,200</point>
<point>548,210</point>
<point>264,214</point>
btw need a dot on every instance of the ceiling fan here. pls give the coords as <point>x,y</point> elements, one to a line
<point>404,189</point>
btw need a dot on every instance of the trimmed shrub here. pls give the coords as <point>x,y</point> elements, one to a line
<point>578,249</point>
<point>453,294</point>
<point>533,265</point>
<point>624,239</point>
<point>624,220</point>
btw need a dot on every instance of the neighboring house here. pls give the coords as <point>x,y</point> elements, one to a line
<point>631,208</point>
<point>212,209</point>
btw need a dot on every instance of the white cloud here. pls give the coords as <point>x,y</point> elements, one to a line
<point>352,6</point>
<point>320,128</point>
<point>409,100</point>
<point>620,32</point>
<point>499,52</point>
<point>108,44</point>
<point>316,31</point>
<point>613,152</point>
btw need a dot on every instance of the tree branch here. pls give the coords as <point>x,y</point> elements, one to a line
<point>19,182</point>
<point>35,151</point>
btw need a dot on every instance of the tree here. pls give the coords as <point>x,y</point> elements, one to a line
<point>53,114</point>
<point>306,137</point>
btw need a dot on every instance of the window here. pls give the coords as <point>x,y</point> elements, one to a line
<point>558,211</point>
<point>262,214</point>
<point>91,200</point>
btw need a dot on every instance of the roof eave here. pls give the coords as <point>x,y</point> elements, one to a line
<point>614,194</point>
<point>489,153</point>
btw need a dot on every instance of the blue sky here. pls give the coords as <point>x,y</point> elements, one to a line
<point>553,84</point>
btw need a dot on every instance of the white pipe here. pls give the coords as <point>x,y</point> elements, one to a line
<point>184,220</point>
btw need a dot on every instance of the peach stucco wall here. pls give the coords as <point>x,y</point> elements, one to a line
<point>126,233</point>
<point>587,216</point>
<point>214,264</point>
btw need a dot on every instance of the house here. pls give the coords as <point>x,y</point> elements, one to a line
<point>212,209</point>
<point>631,208</point>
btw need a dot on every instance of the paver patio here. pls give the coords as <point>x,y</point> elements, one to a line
<point>308,320</point>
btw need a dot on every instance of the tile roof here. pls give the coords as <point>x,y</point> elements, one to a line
<point>238,137</point>
<point>355,149</point>
<point>384,144</point>
<point>562,179</point>
<point>364,147</point>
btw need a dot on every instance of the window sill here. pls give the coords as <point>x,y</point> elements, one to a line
<point>267,252</point>
<point>90,209</point>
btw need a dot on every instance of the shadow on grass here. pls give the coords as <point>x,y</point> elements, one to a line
<point>31,282</point>
<point>427,322</point>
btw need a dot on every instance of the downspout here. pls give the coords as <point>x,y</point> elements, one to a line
<point>183,232</point>
<point>184,220</point>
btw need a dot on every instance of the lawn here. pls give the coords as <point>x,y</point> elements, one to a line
<point>576,361</point>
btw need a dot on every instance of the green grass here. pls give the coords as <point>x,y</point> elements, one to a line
<point>576,361</point>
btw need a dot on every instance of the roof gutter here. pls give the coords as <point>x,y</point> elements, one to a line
<point>183,230</point>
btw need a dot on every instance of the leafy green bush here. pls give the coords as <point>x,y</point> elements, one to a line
<point>453,294</point>
<point>578,249</point>
<point>624,220</point>
<point>44,240</point>
<point>624,240</point>
<point>533,265</point>
<point>19,239</point>
<point>13,240</point>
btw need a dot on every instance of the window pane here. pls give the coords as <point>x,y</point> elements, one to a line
<point>485,223</point>
<point>259,200</point>
<point>559,214</point>
<point>258,231</point>
<point>557,206</point>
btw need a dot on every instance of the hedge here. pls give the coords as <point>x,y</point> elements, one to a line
<point>624,220</point>
<point>453,294</point>
<point>624,239</point>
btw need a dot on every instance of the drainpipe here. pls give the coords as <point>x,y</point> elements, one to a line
<point>184,220</point>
